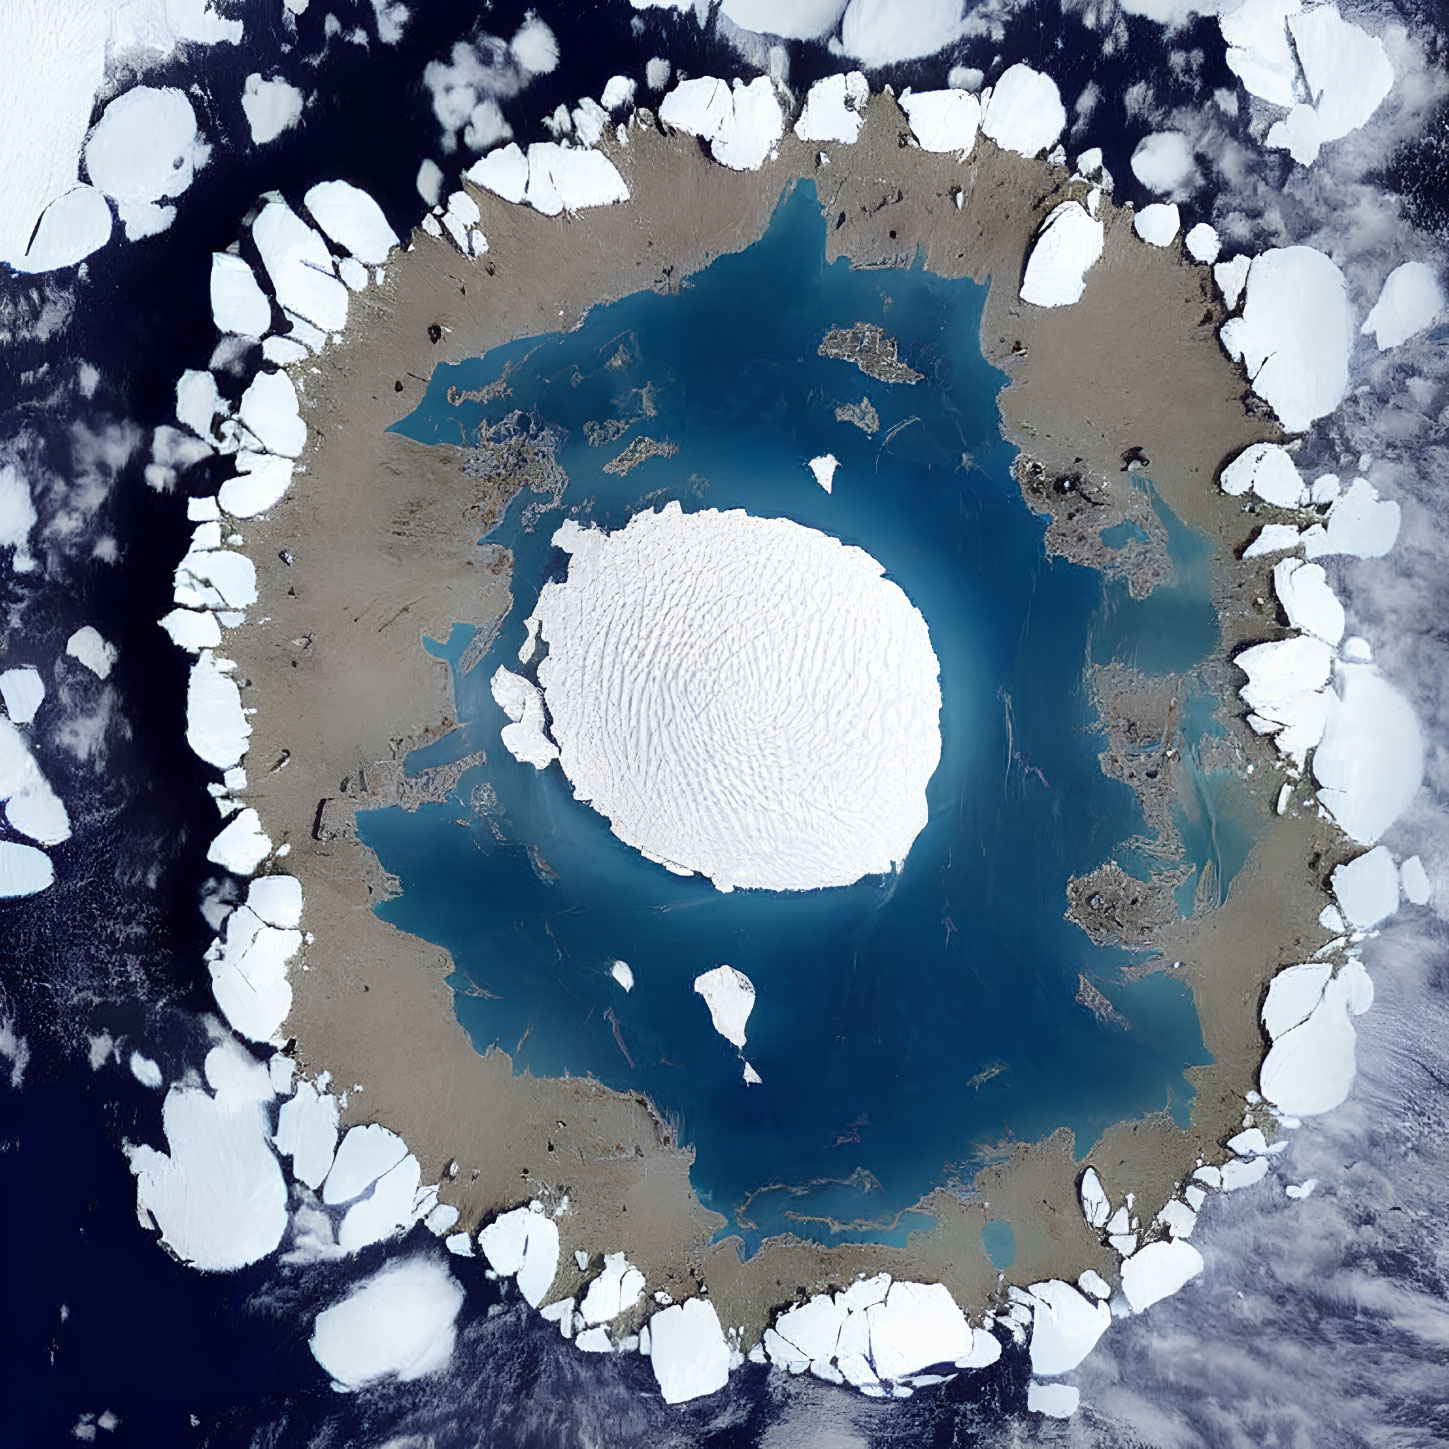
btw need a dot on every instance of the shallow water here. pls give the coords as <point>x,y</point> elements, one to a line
<point>904,1026</point>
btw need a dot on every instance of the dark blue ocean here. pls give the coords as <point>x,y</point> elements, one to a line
<point>904,1026</point>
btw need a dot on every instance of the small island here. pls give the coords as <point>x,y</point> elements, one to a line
<point>872,349</point>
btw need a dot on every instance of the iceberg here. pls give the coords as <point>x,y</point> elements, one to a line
<point>943,121</point>
<point>23,692</point>
<point>1095,1206</point>
<point>1411,301</point>
<point>730,996</point>
<point>1259,52</point>
<point>1055,1401</point>
<point>303,278</point>
<point>1203,243</point>
<point>238,304</point>
<point>824,468</point>
<point>742,126</point>
<point>24,870</point>
<point>390,1208</point>
<point>1310,1068</point>
<point>242,844</point>
<point>75,224</point>
<point>217,728</point>
<point>1292,995</point>
<point>307,1133</point>
<point>918,1324</point>
<point>1025,112</point>
<point>524,738</point>
<point>1309,602</point>
<point>1360,524</point>
<point>1367,888</point>
<point>145,148</point>
<point>367,1153</point>
<point>91,649</point>
<point>616,1290</point>
<point>1415,881</point>
<point>269,410</point>
<point>523,1243</point>
<point>1068,245</point>
<point>248,966</point>
<point>688,1351</point>
<point>31,806</point>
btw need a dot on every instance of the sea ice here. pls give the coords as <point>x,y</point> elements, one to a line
<point>1065,1327</point>
<point>1094,1283</point>
<point>688,1351</point>
<point>388,1209</point>
<point>145,148</point>
<point>198,402</point>
<point>269,409</point>
<point>621,973</point>
<point>24,870</point>
<point>521,701</point>
<point>834,109</point>
<point>1415,881</point>
<point>1069,243</point>
<point>31,806</point>
<point>1231,278</point>
<point>567,178</point>
<point>1371,759</point>
<point>23,690</point>
<point>1292,995</point>
<point>260,482</point>
<point>1178,1218</point>
<point>1367,888</point>
<point>238,304</point>
<point>242,845</point>
<point>1095,1206</point>
<point>944,121</point>
<point>366,1154</point>
<point>1163,162</point>
<point>1294,334</point>
<point>91,649</point>
<point>918,1325</point>
<point>742,125</point>
<point>1309,1069</point>
<point>1158,1271</point>
<point>1025,112</point>
<point>1285,688</point>
<point>217,728</point>
<point>503,171</point>
<point>1056,1401</point>
<point>1259,52</point>
<point>1273,538</point>
<point>1411,301</point>
<point>1309,602</point>
<point>523,1243</point>
<point>616,1290</point>
<point>307,1133</point>
<point>218,1197</point>
<point>248,966</point>
<point>1158,224</point>
<point>300,266</point>
<point>352,219</point>
<point>796,777</point>
<point>1360,524</point>
<point>270,106</point>
<point>1203,243</point>
<point>398,1323</point>
<point>730,996</point>
<point>813,1328</point>
<point>1239,1174</point>
<point>824,468</point>
<point>146,1071</point>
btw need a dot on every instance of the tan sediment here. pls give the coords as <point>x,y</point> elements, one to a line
<point>379,529</point>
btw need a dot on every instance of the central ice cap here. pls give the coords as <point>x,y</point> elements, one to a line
<point>743,697</point>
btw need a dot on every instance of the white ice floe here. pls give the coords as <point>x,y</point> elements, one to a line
<point>621,972</point>
<point>300,267</point>
<point>1415,881</point>
<point>688,1351</point>
<point>24,870</point>
<point>752,1077</point>
<point>1285,691</point>
<point>1158,1271</point>
<point>268,409</point>
<point>238,304</point>
<point>144,149</point>
<point>1273,538</point>
<point>809,766</point>
<point>1292,995</point>
<point>524,738</point>
<point>397,1324</point>
<point>1068,245</point>
<point>616,1290</point>
<point>918,1324</point>
<point>834,109</point>
<point>1267,470</point>
<point>23,691</point>
<point>730,996</point>
<point>566,178</point>
<point>1294,334</point>
<point>1359,523</point>
<point>1203,243</point>
<point>248,966</point>
<point>217,728</point>
<point>1367,888</point>
<point>31,806</point>
<point>812,1329</point>
<point>270,106</point>
<point>824,468</point>
<point>367,1153</point>
<point>943,121</point>
<point>217,1195</point>
<point>1158,224</point>
<point>1309,602</point>
<point>1346,74</point>
<point>1163,162</point>
<point>1055,1401</point>
<point>1310,1068</point>
<point>146,1071</point>
<point>1065,1327</point>
<point>1411,301</point>
<point>503,171</point>
<point>1178,1218</point>
<point>1238,1174</point>
<point>216,578</point>
<point>352,219</point>
<point>260,482</point>
<point>1025,112</point>
<point>307,1133</point>
<point>1370,762</point>
<point>88,646</point>
<point>1095,1206</point>
<point>523,1243</point>
<point>390,1208</point>
<point>198,402</point>
<point>742,125</point>
<point>75,224</point>
<point>242,845</point>
<point>1231,278</point>
<point>1259,51</point>
<point>618,92</point>
<point>656,72</point>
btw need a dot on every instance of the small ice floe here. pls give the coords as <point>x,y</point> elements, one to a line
<point>397,1324</point>
<point>623,974</point>
<point>1415,881</point>
<point>752,1077</point>
<point>730,996</point>
<point>23,691</point>
<point>304,279</point>
<point>1308,601</point>
<point>1359,523</point>
<point>351,219</point>
<point>1065,1327</point>
<point>242,844</point>
<point>616,1290</point>
<point>143,150</point>
<point>146,1071</point>
<point>523,1244</point>
<point>24,870</point>
<point>1231,278</point>
<point>824,468</point>
<point>270,106</point>
<point>218,1197</point>
<point>89,647</point>
<point>1095,1284</point>
<point>1068,245</point>
<point>1412,301</point>
<point>1163,162</point>
<point>1346,73</point>
<point>688,1351</point>
<point>1300,1190</point>
<point>1024,112</point>
<point>217,728</point>
<point>307,1133</point>
<point>834,109</point>
<point>1273,538</point>
<point>1367,888</point>
<point>31,806</point>
<point>1294,333</point>
<point>522,701</point>
<point>1095,1206</point>
<point>1055,1401</point>
<point>1158,1271</point>
<point>238,303</point>
<point>1158,224</point>
<point>1178,1218</point>
<point>943,121</point>
<point>1203,243</point>
<point>743,124</point>
<point>198,402</point>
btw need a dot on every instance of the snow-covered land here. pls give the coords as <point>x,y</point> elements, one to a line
<point>798,776</point>
<point>730,996</point>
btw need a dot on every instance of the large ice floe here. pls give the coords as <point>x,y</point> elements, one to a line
<point>944,121</point>
<point>1069,243</point>
<point>742,125</point>
<point>834,109</point>
<point>1024,111</point>
<point>550,177</point>
<point>1412,301</point>
<point>742,697</point>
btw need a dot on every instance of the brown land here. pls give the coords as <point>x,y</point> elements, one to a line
<point>380,529</point>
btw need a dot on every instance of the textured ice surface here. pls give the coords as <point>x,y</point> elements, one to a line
<point>1412,300</point>
<point>1309,602</point>
<point>1259,51</point>
<point>524,737</point>
<point>523,1243</point>
<point>300,266</point>
<point>943,120</point>
<point>399,1323</point>
<point>743,697</point>
<point>730,996</point>
<point>248,965</point>
<point>1292,995</point>
<point>688,1352</point>
<point>1069,242</point>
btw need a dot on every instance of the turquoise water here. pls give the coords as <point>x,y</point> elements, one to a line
<point>1000,1243</point>
<point>903,1026</point>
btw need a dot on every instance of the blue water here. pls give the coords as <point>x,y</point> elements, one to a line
<point>903,1026</point>
<point>1000,1243</point>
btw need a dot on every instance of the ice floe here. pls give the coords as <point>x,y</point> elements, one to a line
<point>1367,888</point>
<point>1163,162</point>
<point>1359,523</point>
<point>367,1153</point>
<point>521,701</point>
<point>1309,602</point>
<point>1055,1401</point>
<point>1203,243</point>
<point>616,1290</point>
<point>352,219</point>
<point>523,1244</point>
<point>943,121</point>
<point>23,691</point>
<point>307,1133</point>
<point>1285,691</point>
<point>304,280</point>
<point>621,972</point>
<point>217,1194</point>
<point>1292,995</point>
<point>1411,301</point>
<point>918,1324</point>
<point>730,996</point>
<point>238,304</point>
<point>24,870</point>
<point>688,1351</point>
<point>258,485</point>
<point>97,653</point>
<point>1267,470</point>
<point>248,965</point>
<point>1273,538</point>
<point>1158,224</point>
<point>242,844</point>
<point>1294,333</point>
<point>742,125</point>
<point>1024,112</point>
<point>1259,51</point>
<point>1065,1327</point>
<point>1095,1206</point>
<point>31,806</point>
<point>834,109</point>
<point>1159,1270</point>
<point>557,178</point>
<point>217,728</point>
<point>1068,245</point>
<point>1232,277</point>
<point>75,224</point>
<point>270,106</point>
<point>146,1071</point>
<point>144,149</point>
<point>838,794</point>
<point>1310,1067</point>
<point>1415,881</point>
<point>269,409</point>
<point>824,468</point>
<point>397,1324</point>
